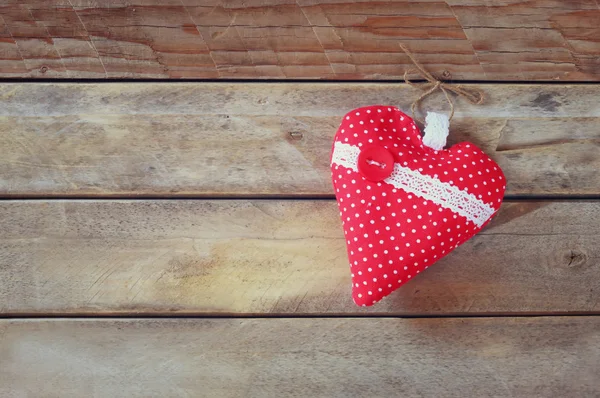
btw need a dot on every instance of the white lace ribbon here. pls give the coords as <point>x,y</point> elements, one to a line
<point>441,193</point>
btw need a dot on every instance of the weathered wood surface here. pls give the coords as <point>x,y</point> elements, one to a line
<point>307,39</point>
<point>215,139</point>
<point>287,257</point>
<point>494,357</point>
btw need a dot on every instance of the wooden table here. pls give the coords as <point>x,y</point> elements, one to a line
<point>164,238</point>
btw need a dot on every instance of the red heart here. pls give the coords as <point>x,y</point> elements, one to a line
<point>400,219</point>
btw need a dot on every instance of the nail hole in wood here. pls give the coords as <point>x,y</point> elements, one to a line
<point>296,135</point>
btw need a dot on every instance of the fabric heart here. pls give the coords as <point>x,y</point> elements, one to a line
<point>404,205</point>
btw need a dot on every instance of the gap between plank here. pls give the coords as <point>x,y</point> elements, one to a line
<point>295,81</point>
<point>142,197</point>
<point>161,315</point>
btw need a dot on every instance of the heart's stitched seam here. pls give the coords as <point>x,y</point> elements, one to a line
<point>429,188</point>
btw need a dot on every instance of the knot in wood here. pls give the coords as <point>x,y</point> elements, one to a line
<point>575,258</point>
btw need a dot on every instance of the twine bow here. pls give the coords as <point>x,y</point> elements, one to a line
<point>474,96</point>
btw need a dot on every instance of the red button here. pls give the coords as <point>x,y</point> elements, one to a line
<point>375,163</point>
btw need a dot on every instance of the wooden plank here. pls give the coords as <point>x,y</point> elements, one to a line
<point>277,257</point>
<point>494,357</point>
<point>306,39</point>
<point>226,139</point>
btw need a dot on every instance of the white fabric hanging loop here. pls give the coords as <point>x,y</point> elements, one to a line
<point>437,128</point>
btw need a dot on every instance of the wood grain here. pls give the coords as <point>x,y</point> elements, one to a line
<point>306,39</point>
<point>277,257</point>
<point>266,139</point>
<point>494,357</point>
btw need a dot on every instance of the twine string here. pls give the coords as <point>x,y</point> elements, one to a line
<point>473,95</point>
